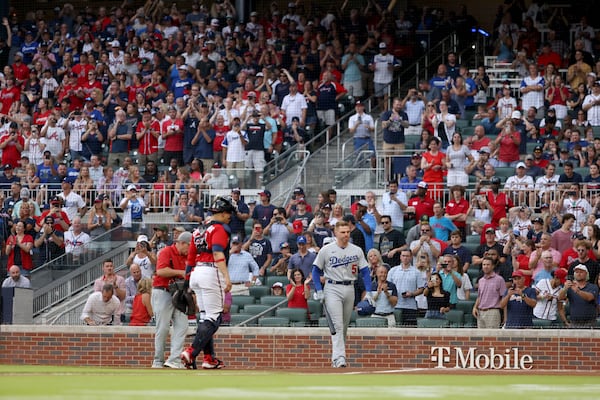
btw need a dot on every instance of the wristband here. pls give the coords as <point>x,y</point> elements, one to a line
<point>219,260</point>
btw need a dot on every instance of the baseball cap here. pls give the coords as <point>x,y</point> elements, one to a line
<point>363,203</point>
<point>179,229</point>
<point>424,218</point>
<point>518,273</point>
<point>284,245</point>
<point>382,45</point>
<point>236,239</point>
<point>581,267</point>
<point>55,200</point>
<point>490,230</point>
<point>277,285</point>
<point>560,273</point>
<point>24,193</point>
<point>529,157</point>
<point>301,240</point>
<point>516,115</point>
<point>359,103</point>
<point>214,22</point>
<point>485,150</point>
<point>131,187</point>
<point>416,155</point>
<point>537,220</point>
<point>265,193</point>
<point>142,238</point>
<point>236,190</point>
<point>254,14</point>
<point>18,53</point>
<point>260,74</point>
<point>115,43</point>
<point>298,190</point>
<point>564,150</point>
<point>537,148</point>
<point>301,201</point>
<point>297,226</point>
<point>163,228</point>
<point>545,205</point>
<point>7,166</point>
<point>495,180</point>
<point>295,119</point>
<point>521,165</point>
<point>422,185</point>
<point>69,180</point>
<point>591,74</point>
<point>182,67</point>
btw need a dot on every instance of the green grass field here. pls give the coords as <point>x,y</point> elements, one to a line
<point>37,382</point>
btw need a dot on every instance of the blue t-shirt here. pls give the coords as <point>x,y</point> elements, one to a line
<point>442,227</point>
<point>136,209</point>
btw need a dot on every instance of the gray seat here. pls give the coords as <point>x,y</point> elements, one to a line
<point>254,309</point>
<point>237,318</point>
<point>242,300</point>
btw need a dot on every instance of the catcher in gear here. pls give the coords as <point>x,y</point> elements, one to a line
<point>209,279</point>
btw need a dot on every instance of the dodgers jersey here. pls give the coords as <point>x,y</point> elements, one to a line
<point>340,264</point>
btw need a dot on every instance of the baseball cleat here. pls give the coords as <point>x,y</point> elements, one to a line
<point>187,359</point>
<point>173,365</point>
<point>339,363</point>
<point>211,362</point>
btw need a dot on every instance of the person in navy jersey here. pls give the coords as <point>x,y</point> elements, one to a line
<point>263,212</point>
<point>240,214</point>
<point>519,302</point>
<point>119,135</point>
<point>260,248</point>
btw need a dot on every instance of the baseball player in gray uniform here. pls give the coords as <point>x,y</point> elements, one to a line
<point>339,263</point>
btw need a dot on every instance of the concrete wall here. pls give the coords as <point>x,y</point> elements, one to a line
<point>298,348</point>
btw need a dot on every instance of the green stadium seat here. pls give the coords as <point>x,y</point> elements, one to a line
<point>475,122</point>
<point>471,246</point>
<point>466,306</point>
<point>583,171</point>
<point>542,323</point>
<point>272,300</point>
<point>297,316</point>
<point>273,322</point>
<point>530,147</point>
<point>371,322</point>
<point>234,309</point>
<point>462,123</point>
<point>505,172</point>
<point>455,318</point>
<point>315,309</point>
<point>473,294</point>
<point>467,131</point>
<point>238,318</point>
<point>469,114</point>
<point>259,291</point>
<point>432,323</point>
<point>398,316</point>
<point>473,239</point>
<point>242,300</point>
<point>254,309</point>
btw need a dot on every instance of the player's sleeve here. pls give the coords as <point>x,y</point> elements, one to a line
<point>317,271</point>
<point>366,276</point>
<point>220,240</point>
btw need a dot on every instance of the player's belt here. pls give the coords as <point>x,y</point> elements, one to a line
<point>345,283</point>
<point>206,264</point>
<point>161,288</point>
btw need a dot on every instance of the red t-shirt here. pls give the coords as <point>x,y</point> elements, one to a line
<point>430,175</point>
<point>148,142</point>
<point>219,137</point>
<point>40,119</point>
<point>168,257</point>
<point>10,154</point>
<point>26,259</point>
<point>423,206</point>
<point>173,142</point>
<point>298,300</point>
<point>523,261</point>
<point>499,203</point>
<point>7,97</point>
<point>460,207</point>
<point>509,148</point>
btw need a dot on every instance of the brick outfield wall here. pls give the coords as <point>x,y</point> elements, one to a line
<point>299,348</point>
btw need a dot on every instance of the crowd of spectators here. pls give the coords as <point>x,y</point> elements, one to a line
<point>195,92</point>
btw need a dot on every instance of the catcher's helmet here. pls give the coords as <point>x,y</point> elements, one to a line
<point>222,204</point>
